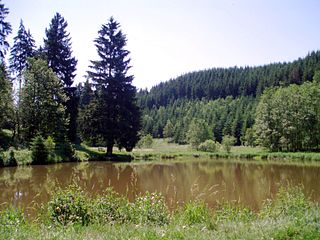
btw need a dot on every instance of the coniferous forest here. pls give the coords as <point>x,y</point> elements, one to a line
<point>231,100</point>
<point>275,106</point>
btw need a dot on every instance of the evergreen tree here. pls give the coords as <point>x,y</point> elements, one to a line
<point>5,30</point>
<point>6,101</point>
<point>23,48</point>
<point>116,112</point>
<point>57,47</point>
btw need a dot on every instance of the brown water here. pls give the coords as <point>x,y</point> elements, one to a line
<point>179,182</point>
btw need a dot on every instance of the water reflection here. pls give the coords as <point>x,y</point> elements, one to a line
<point>180,182</point>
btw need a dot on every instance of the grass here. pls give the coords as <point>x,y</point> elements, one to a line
<point>162,150</point>
<point>289,216</point>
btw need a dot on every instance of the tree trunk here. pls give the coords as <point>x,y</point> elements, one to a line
<point>109,150</point>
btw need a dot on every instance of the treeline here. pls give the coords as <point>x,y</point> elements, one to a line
<point>221,117</point>
<point>217,83</point>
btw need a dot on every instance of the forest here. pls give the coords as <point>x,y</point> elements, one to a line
<point>252,104</point>
<point>275,106</point>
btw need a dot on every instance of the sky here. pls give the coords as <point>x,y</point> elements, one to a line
<point>167,38</point>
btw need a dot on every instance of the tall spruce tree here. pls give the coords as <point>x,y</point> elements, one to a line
<point>116,113</point>
<point>5,30</point>
<point>22,49</point>
<point>57,46</point>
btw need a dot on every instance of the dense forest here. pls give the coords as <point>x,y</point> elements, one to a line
<point>276,106</point>
<point>226,99</point>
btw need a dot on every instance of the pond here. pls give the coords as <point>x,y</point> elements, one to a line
<point>208,180</point>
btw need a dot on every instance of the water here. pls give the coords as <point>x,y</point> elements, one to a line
<point>208,180</point>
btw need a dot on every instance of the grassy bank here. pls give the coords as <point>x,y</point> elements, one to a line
<point>162,150</point>
<point>72,215</point>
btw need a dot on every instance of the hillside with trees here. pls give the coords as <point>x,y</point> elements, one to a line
<point>226,100</point>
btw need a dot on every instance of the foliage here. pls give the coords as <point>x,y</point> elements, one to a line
<point>227,142</point>
<point>168,130</point>
<point>150,209</point>
<point>146,141</point>
<point>198,132</point>
<point>288,118</point>
<point>229,221</point>
<point>23,48</point>
<point>111,208</point>
<point>5,30</point>
<point>196,213</point>
<point>113,113</point>
<point>6,104</point>
<point>57,49</point>
<point>57,46</point>
<point>39,151</point>
<point>69,206</point>
<point>208,146</point>
<point>11,218</point>
<point>231,212</point>
<point>12,161</point>
<point>50,145</point>
<point>42,111</point>
<point>215,83</point>
<point>222,117</point>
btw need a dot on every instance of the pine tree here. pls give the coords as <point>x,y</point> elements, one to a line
<point>23,48</point>
<point>57,46</point>
<point>118,117</point>
<point>5,30</point>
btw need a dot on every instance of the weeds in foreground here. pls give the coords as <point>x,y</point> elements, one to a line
<point>110,216</point>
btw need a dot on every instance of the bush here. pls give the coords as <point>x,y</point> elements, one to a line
<point>12,161</point>
<point>50,145</point>
<point>227,142</point>
<point>146,141</point>
<point>11,218</point>
<point>1,158</point>
<point>111,208</point>
<point>196,213</point>
<point>150,208</point>
<point>70,206</point>
<point>208,146</point>
<point>39,151</point>
<point>230,212</point>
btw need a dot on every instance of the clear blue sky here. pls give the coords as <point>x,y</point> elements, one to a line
<point>167,38</point>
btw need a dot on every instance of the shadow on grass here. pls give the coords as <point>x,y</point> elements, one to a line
<point>101,155</point>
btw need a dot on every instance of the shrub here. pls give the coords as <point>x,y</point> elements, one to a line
<point>39,151</point>
<point>70,206</point>
<point>150,208</point>
<point>146,141</point>
<point>1,158</point>
<point>208,146</point>
<point>227,142</point>
<point>12,161</point>
<point>10,219</point>
<point>196,213</point>
<point>288,202</point>
<point>230,212</point>
<point>111,208</point>
<point>65,150</point>
<point>50,145</point>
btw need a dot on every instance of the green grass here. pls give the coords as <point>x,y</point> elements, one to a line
<point>162,150</point>
<point>289,216</point>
